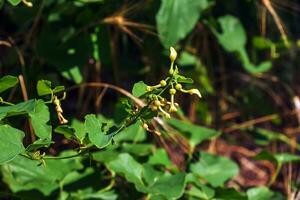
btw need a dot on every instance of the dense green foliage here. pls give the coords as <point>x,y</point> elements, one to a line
<point>67,133</point>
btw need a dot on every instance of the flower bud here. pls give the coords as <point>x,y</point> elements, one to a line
<point>172,91</point>
<point>163,83</point>
<point>178,86</point>
<point>27,3</point>
<point>172,108</point>
<point>145,126</point>
<point>157,103</point>
<point>173,54</point>
<point>195,91</point>
<point>154,108</point>
<point>149,89</point>
<point>192,91</point>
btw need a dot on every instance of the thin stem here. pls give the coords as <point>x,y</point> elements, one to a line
<point>6,103</point>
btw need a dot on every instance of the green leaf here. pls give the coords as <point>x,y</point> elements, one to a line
<point>229,193</point>
<point>170,186</point>
<point>40,116</point>
<point>38,113</point>
<point>139,89</point>
<point>160,157</point>
<point>279,158</point>
<point>44,87</point>
<point>138,149</point>
<point>182,79</point>
<point>1,3</point>
<point>195,133</point>
<point>7,82</point>
<point>156,183</point>
<point>11,143</point>
<point>125,165</point>
<point>25,174</point>
<point>14,2</point>
<point>175,19</point>
<point>39,144</point>
<point>233,38</point>
<point>134,133</point>
<point>204,193</point>
<point>286,157</point>
<point>89,193</point>
<point>79,129</point>
<point>211,168</point>
<point>262,43</point>
<point>259,193</point>
<point>95,133</point>
<point>59,88</point>
<point>65,130</point>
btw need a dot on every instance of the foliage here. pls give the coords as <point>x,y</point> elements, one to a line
<point>160,142</point>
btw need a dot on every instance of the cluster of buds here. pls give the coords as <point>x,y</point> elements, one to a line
<point>171,83</point>
<point>59,110</point>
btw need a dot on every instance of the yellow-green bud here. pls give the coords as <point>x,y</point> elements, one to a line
<point>154,108</point>
<point>172,108</point>
<point>145,126</point>
<point>157,103</point>
<point>173,54</point>
<point>172,91</point>
<point>163,83</point>
<point>178,86</point>
<point>148,88</point>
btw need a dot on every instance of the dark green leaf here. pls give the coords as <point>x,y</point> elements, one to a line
<point>11,143</point>
<point>229,193</point>
<point>39,144</point>
<point>65,130</point>
<point>14,2</point>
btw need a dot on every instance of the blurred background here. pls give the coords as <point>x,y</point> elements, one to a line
<point>241,54</point>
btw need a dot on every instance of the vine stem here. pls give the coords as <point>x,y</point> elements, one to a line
<point>125,124</point>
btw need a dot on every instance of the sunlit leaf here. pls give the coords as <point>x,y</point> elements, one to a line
<point>7,82</point>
